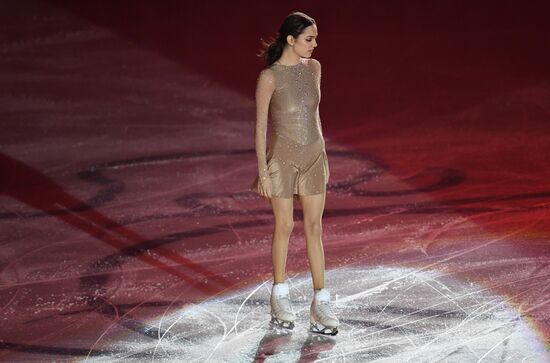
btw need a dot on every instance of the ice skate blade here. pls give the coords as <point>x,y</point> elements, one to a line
<point>320,329</point>
<point>282,323</point>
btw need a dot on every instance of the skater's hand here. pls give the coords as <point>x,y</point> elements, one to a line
<point>265,186</point>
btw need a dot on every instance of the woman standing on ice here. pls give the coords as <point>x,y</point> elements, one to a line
<point>295,164</point>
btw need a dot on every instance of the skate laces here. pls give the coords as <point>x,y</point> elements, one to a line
<point>325,308</point>
<point>323,303</point>
<point>284,302</point>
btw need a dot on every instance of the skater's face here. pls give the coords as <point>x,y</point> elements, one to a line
<point>306,42</point>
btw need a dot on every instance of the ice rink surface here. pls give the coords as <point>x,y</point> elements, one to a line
<point>387,315</point>
<point>128,232</point>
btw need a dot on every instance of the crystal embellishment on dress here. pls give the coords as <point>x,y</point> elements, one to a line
<point>296,157</point>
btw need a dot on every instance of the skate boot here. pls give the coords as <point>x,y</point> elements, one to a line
<point>281,311</point>
<point>322,320</point>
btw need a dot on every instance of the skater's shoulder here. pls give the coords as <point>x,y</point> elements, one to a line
<point>315,64</point>
<point>266,76</point>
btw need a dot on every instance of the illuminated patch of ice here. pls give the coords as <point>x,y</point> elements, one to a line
<point>387,314</point>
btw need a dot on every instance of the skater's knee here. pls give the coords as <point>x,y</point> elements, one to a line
<point>284,226</point>
<point>313,228</point>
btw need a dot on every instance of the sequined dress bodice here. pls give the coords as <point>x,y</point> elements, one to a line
<point>294,105</point>
<point>295,160</point>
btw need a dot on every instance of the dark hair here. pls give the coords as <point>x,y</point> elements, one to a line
<point>294,24</point>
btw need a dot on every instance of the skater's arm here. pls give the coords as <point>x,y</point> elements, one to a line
<point>317,71</point>
<point>264,90</point>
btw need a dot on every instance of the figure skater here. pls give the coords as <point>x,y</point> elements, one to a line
<point>295,164</point>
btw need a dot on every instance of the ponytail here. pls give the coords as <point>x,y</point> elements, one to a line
<point>294,24</point>
<point>272,50</point>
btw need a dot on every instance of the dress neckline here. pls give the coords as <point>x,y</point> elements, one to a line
<point>289,66</point>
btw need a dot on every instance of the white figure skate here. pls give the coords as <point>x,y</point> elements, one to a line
<point>281,311</point>
<point>322,320</point>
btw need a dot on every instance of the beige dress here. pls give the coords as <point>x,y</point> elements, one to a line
<point>297,162</point>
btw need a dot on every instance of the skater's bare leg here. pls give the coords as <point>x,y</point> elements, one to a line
<point>313,206</point>
<point>284,223</point>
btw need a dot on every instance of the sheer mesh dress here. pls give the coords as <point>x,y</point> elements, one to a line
<point>296,160</point>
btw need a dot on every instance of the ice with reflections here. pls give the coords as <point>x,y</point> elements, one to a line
<point>387,314</point>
